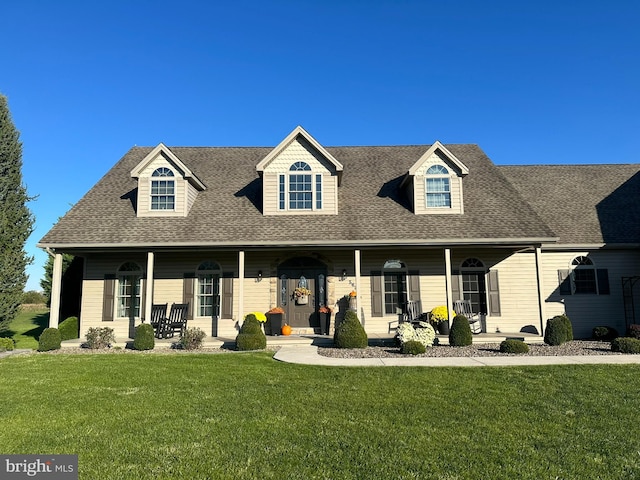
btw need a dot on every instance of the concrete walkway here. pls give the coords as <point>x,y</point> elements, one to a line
<point>308,355</point>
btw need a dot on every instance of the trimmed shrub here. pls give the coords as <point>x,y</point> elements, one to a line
<point>100,337</point>
<point>460,334</point>
<point>251,341</point>
<point>192,338</point>
<point>556,332</point>
<point>49,340</point>
<point>625,345</point>
<point>6,344</point>
<point>350,333</point>
<point>251,325</point>
<point>144,337</point>
<point>69,328</point>
<point>568,328</point>
<point>512,345</point>
<point>413,347</point>
<point>634,331</point>
<point>604,334</point>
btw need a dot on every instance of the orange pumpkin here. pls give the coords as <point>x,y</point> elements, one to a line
<point>286,329</point>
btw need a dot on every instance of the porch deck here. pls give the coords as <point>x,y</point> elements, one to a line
<point>313,339</point>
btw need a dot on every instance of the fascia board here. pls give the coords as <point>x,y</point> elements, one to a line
<point>464,170</point>
<point>162,148</point>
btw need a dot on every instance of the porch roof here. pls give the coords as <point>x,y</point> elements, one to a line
<point>373,209</point>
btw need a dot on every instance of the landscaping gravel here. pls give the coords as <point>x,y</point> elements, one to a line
<point>576,347</point>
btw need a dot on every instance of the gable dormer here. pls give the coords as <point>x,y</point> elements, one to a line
<point>299,177</point>
<point>434,182</point>
<point>166,187</point>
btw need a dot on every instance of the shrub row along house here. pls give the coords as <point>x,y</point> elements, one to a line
<point>235,230</point>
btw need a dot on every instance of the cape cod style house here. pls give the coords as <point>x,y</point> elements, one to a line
<point>235,230</point>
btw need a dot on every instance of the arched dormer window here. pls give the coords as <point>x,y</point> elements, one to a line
<point>208,289</point>
<point>438,187</point>
<point>300,191</point>
<point>163,195</point>
<point>129,276</point>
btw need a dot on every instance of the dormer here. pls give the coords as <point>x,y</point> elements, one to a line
<point>434,182</point>
<point>166,187</point>
<point>299,177</point>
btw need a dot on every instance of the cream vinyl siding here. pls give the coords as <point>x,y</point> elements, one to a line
<point>419,189</point>
<point>299,151</point>
<point>185,194</point>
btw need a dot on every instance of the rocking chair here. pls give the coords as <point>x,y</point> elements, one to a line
<point>463,307</point>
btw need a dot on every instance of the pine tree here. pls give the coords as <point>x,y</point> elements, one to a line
<point>16,221</point>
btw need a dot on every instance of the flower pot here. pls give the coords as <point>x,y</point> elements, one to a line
<point>325,322</point>
<point>275,323</point>
<point>443,328</point>
<point>302,300</point>
<point>353,305</point>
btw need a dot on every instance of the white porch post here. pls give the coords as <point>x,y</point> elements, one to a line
<point>447,272</point>
<point>356,261</point>
<point>541,304</point>
<point>148,287</point>
<point>240,286</point>
<point>56,289</point>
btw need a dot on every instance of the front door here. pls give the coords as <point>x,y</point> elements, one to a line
<point>296,277</point>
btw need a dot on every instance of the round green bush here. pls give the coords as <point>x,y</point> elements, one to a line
<point>69,328</point>
<point>512,345</point>
<point>413,347</point>
<point>6,344</point>
<point>49,340</point>
<point>604,334</point>
<point>625,345</point>
<point>251,341</point>
<point>144,337</point>
<point>350,333</point>
<point>251,325</point>
<point>460,334</point>
<point>633,331</point>
<point>558,331</point>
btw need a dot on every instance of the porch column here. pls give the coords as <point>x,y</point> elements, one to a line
<point>241,286</point>
<point>56,289</point>
<point>541,303</point>
<point>447,272</point>
<point>148,287</point>
<point>356,261</point>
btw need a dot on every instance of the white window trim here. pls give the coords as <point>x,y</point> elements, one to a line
<point>167,178</point>
<point>128,273</point>
<point>592,267</point>
<point>429,176</point>
<point>314,192</point>
<point>203,272</point>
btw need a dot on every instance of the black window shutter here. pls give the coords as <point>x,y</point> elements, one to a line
<point>564,282</point>
<point>188,287</point>
<point>376,294</point>
<point>414,285</point>
<point>108,299</point>
<point>455,288</point>
<point>227,295</point>
<point>603,281</point>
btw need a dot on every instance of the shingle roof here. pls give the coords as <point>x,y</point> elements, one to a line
<point>371,205</point>
<point>583,204</point>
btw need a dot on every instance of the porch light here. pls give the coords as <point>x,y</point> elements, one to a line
<point>259,275</point>
<point>344,274</point>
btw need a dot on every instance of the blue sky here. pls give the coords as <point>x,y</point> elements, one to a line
<point>530,82</point>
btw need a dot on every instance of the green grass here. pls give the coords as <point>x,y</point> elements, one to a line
<point>245,416</point>
<point>28,326</point>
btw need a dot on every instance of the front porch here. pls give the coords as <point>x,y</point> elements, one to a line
<point>312,339</point>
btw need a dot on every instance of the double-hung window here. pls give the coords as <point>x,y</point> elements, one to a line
<point>438,187</point>
<point>163,195</point>
<point>129,275</point>
<point>208,291</point>
<point>300,189</point>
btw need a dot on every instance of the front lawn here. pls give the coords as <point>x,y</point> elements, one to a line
<point>245,416</point>
<point>28,325</point>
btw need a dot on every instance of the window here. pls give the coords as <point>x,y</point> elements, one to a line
<point>129,275</point>
<point>300,191</point>
<point>584,275</point>
<point>473,284</point>
<point>437,187</point>
<point>162,191</point>
<point>395,286</point>
<point>208,290</point>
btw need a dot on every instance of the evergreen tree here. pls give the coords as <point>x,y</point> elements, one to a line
<point>16,221</point>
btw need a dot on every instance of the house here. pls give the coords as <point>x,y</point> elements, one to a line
<point>234,230</point>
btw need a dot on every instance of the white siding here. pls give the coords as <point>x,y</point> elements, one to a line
<point>419,188</point>
<point>184,193</point>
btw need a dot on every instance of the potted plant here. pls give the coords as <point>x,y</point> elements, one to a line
<point>301,295</point>
<point>352,300</point>
<point>324,313</point>
<point>439,318</point>
<point>275,320</point>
